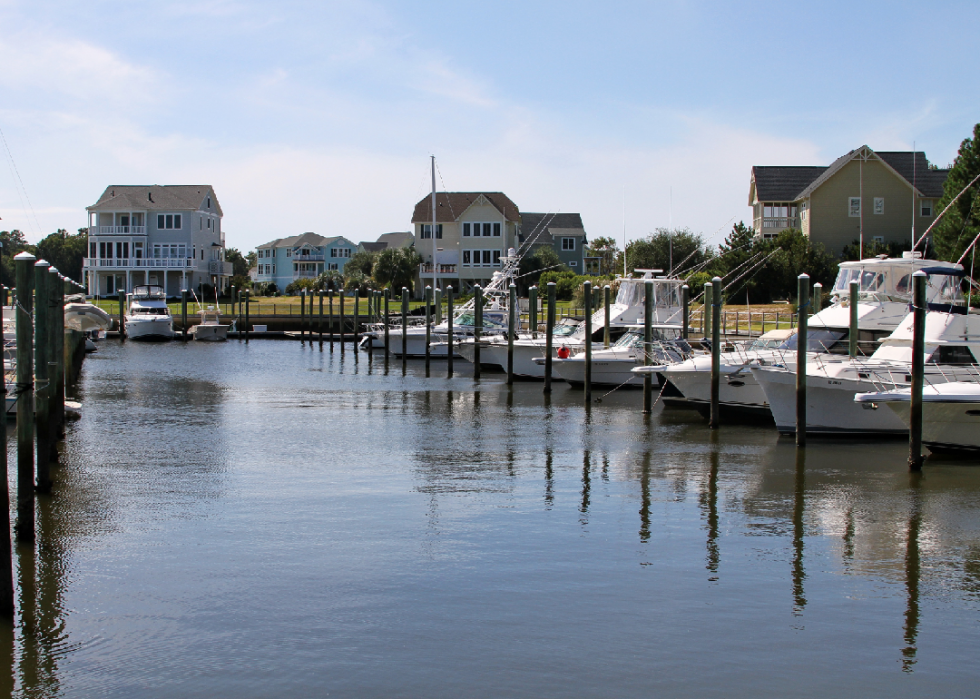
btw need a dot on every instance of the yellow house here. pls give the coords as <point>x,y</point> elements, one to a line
<point>864,195</point>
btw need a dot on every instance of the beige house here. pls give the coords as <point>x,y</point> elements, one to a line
<point>864,195</point>
<point>473,231</point>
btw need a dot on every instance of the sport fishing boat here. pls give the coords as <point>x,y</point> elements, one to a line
<point>625,313</point>
<point>148,317</point>
<point>883,301</point>
<point>952,345</point>
<point>950,413</point>
<point>210,329</point>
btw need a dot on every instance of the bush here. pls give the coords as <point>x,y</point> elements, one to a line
<point>296,287</point>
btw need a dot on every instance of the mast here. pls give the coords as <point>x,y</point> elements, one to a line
<point>435,284</point>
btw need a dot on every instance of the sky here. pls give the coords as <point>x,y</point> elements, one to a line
<point>321,116</point>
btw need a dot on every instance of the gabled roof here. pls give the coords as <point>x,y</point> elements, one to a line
<point>155,197</point>
<point>398,239</point>
<point>541,229</point>
<point>374,247</point>
<point>783,183</point>
<point>451,205</point>
<point>915,168</point>
<point>296,241</point>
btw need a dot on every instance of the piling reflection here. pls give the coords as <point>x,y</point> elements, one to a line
<point>913,570</point>
<point>709,504</point>
<point>799,505</point>
<point>645,498</point>
<point>586,488</point>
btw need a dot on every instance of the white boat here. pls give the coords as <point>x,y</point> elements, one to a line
<point>624,313</point>
<point>84,316</point>
<point>952,345</point>
<point>950,413</point>
<point>210,329</point>
<point>148,317</point>
<point>883,301</point>
<point>614,366</point>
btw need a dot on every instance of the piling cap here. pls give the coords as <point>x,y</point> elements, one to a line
<point>803,276</point>
<point>25,256</point>
<point>916,273</point>
<point>715,279</point>
<point>53,270</point>
<point>41,263</point>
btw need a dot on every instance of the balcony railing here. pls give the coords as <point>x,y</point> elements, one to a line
<point>122,230</point>
<point>770,223</point>
<point>304,275</point>
<point>425,269</point>
<point>140,262</point>
<point>307,258</point>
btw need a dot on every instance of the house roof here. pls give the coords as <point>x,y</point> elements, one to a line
<point>541,229</point>
<point>451,205</point>
<point>302,239</point>
<point>914,167</point>
<point>398,239</point>
<point>374,247</point>
<point>155,197</point>
<point>783,183</point>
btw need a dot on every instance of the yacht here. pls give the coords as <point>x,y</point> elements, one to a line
<point>624,313</point>
<point>148,317</point>
<point>952,345</point>
<point>950,413</point>
<point>883,302</point>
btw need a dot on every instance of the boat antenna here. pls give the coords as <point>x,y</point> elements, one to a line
<point>624,231</point>
<point>435,284</point>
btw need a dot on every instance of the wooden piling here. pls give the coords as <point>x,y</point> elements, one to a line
<point>587,297</point>
<point>477,329</point>
<point>449,335</point>
<point>817,298</point>
<point>183,313</point>
<point>706,308</point>
<point>428,328</point>
<point>532,311</point>
<point>357,318</point>
<point>330,308</point>
<point>122,315</point>
<point>387,293</point>
<point>342,300</point>
<point>42,392</point>
<point>6,548</point>
<point>319,320</point>
<point>302,316</point>
<point>511,331</point>
<point>715,420</point>
<point>802,308</point>
<point>918,369</point>
<point>686,312</point>
<point>607,318</point>
<point>549,337</point>
<point>57,290</point>
<point>404,327</point>
<point>248,299</point>
<point>24,263</point>
<point>438,293</point>
<point>647,342</point>
<point>853,332</point>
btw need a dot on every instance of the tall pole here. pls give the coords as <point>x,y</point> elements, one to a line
<point>438,302</point>
<point>817,298</point>
<point>24,262</point>
<point>686,319</point>
<point>122,315</point>
<point>715,420</point>
<point>57,290</point>
<point>6,549</point>
<point>449,335</point>
<point>511,330</point>
<point>803,304</point>
<point>707,306</point>
<point>647,341</point>
<point>435,274</point>
<point>918,369</point>
<point>587,295</point>
<point>548,337</point>
<point>852,339</point>
<point>302,315</point>
<point>343,320</point>
<point>42,357</point>
<point>477,329</point>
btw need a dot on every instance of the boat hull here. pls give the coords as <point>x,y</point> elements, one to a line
<point>611,371</point>
<point>155,330</point>
<point>738,389</point>
<point>946,427</point>
<point>210,333</point>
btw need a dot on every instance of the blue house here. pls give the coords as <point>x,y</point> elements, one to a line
<point>305,256</point>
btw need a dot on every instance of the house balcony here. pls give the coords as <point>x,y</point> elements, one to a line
<point>122,230</point>
<point>140,263</point>
<point>305,275</point>
<point>769,225</point>
<point>307,258</point>
<point>425,270</point>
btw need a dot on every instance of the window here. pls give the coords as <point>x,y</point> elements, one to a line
<point>105,250</point>
<point>926,207</point>
<point>496,230</point>
<point>209,202</point>
<point>333,252</point>
<point>427,231</point>
<point>332,265</point>
<point>573,263</point>
<point>486,258</point>
<point>466,256</point>
<point>854,206</point>
<point>273,269</point>
<point>466,230</point>
<point>568,243</point>
<point>496,258</point>
<point>487,230</point>
<point>879,239</point>
<point>92,250</point>
<point>289,252</point>
<point>879,206</point>
<point>169,221</point>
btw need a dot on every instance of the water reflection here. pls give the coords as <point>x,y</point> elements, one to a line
<point>645,498</point>
<point>799,505</point>
<point>912,572</point>
<point>709,501</point>
<point>586,488</point>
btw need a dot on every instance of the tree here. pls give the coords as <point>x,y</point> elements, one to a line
<point>252,258</point>
<point>295,287</point>
<point>396,267</point>
<point>960,225</point>
<point>606,250</point>
<point>362,262</point>
<point>669,250</point>
<point>531,267</point>
<point>331,280</point>
<point>13,243</point>
<point>66,252</point>
<point>239,263</point>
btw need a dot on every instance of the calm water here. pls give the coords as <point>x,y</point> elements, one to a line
<point>273,521</point>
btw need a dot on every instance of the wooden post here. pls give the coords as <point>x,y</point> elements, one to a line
<point>438,293</point>
<point>387,293</point>
<point>404,326</point>
<point>330,308</point>
<point>428,328</point>
<point>248,298</point>
<point>6,549</point>
<point>549,336</point>
<point>343,320</point>
<point>588,297</point>
<point>357,317</point>
<point>57,290</point>
<point>802,308</point>
<point>302,316</point>
<point>852,340</point>
<point>183,313</point>
<point>511,331</point>
<point>449,335</point>
<point>706,308</point>
<point>647,342</point>
<point>122,315</point>
<point>24,262</point>
<point>319,321</point>
<point>686,312</point>
<point>716,301</point>
<point>477,329</point>
<point>42,392</point>
<point>607,318</point>
<point>918,369</point>
<point>532,311</point>
<point>817,298</point>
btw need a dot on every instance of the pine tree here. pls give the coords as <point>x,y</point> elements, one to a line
<point>961,223</point>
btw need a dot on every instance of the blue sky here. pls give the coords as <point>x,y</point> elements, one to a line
<point>320,116</point>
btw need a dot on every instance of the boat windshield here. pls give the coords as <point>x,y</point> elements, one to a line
<point>665,293</point>
<point>147,311</point>
<point>566,330</point>
<point>765,344</point>
<point>816,340</point>
<point>469,320</point>
<point>895,284</point>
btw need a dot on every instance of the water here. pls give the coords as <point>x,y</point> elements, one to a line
<point>273,521</point>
